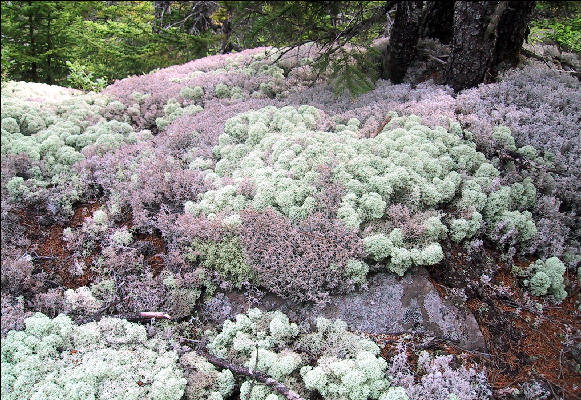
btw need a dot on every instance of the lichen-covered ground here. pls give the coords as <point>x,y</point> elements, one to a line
<point>234,174</point>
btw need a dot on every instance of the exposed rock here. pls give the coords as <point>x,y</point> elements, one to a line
<point>390,305</point>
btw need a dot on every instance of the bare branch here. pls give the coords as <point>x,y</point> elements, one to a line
<point>261,377</point>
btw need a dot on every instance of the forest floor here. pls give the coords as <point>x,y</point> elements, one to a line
<point>523,342</point>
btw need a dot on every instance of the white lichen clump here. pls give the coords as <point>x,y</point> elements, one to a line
<point>348,367</point>
<point>109,359</point>
<point>281,151</point>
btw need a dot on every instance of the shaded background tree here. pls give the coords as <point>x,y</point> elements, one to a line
<point>111,39</point>
<point>482,34</point>
<point>486,34</point>
<point>114,39</point>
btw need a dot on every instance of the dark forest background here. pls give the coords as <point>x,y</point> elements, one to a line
<point>89,44</point>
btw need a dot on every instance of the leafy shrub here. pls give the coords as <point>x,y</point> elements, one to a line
<point>80,77</point>
<point>54,358</point>
<point>565,31</point>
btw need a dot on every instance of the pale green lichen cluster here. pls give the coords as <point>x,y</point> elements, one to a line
<point>547,279</point>
<point>101,219</point>
<point>53,130</point>
<point>348,366</point>
<point>109,359</point>
<point>461,228</point>
<point>81,299</point>
<point>391,248</point>
<point>173,110</point>
<point>503,138</point>
<point>242,152</point>
<point>259,65</point>
<point>122,237</point>
<point>192,93</point>
<point>280,151</point>
<point>253,340</point>
<point>506,210</point>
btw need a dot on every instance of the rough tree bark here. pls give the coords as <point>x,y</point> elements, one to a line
<point>438,21</point>
<point>486,34</point>
<point>403,40</point>
<point>513,28</point>
<point>474,42</point>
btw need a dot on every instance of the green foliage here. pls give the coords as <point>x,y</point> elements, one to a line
<point>111,359</point>
<point>567,33</point>
<point>35,38</point>
<point>225,257</point>
<point>353,71</point>
<point>101,40</point>
<point>559,21</point>
<point>80,78</point>
<point>342,31</point>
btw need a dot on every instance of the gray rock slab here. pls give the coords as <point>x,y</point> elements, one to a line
<point>390,305</point>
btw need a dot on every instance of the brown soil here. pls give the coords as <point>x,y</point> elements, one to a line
<point>53,255</point>
<point>155,261</point>
<point>524,343</point>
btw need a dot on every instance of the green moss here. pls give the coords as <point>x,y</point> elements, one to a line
<point>225,257</point>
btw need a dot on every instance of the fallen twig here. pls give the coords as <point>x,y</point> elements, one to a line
<point>237,369</point>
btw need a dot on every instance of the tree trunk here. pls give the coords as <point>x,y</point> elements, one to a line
<point>226,45</point>
<point>403,40</point>
<point>474,43</point>
<point>513,28</point>
<point>33,73</point>
<point>486,34</point>
<point>438,21</point>
<point>49,50</point>
<point>160,9</point>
